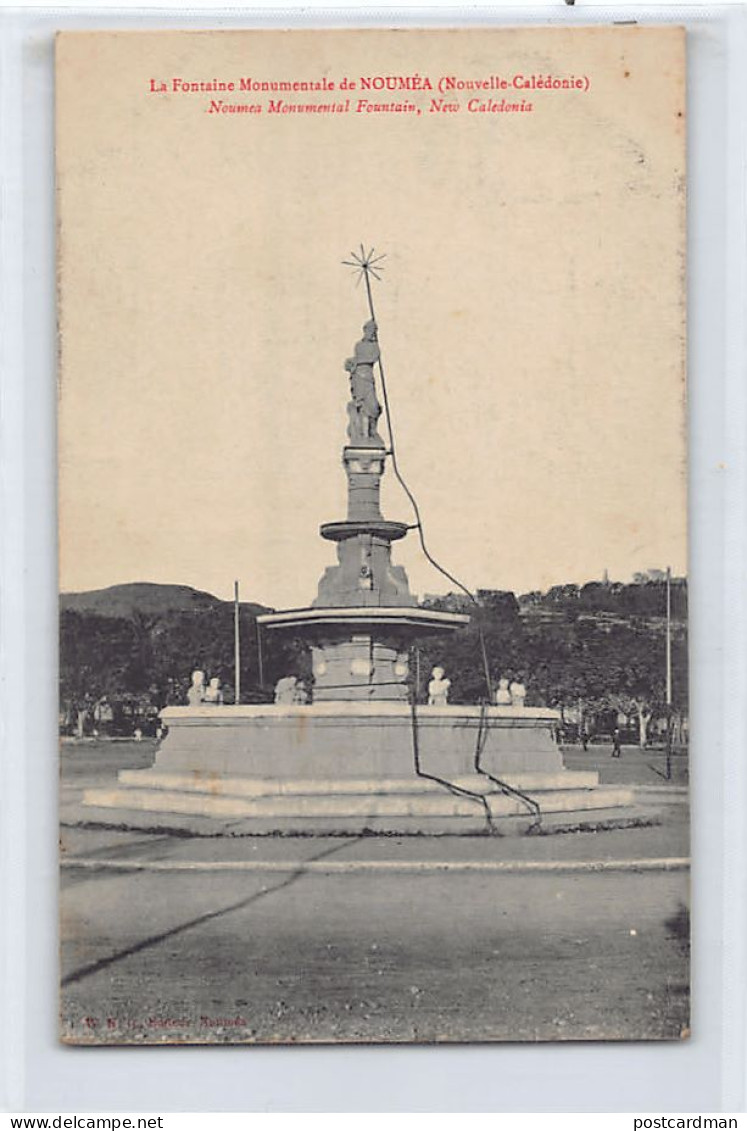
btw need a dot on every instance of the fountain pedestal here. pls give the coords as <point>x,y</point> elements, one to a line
<point>362,623</point>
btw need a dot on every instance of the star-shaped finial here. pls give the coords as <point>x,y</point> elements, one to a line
<point>365,264</point>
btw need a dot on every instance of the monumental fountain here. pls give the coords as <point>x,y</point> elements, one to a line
<point>363,755</point>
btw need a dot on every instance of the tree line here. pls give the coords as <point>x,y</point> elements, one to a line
<point>592,652</point>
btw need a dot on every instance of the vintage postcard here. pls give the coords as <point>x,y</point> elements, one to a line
<point>373,547</point>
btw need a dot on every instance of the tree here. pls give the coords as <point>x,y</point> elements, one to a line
<point>96,654</point>
<point>636,675</point>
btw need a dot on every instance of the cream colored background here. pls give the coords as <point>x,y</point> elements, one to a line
<point>531,313</point>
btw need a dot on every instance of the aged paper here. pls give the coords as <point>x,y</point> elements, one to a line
<point>527,189</point>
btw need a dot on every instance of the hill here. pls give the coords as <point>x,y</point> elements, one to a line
<point>138,644</point>
<point>145,598</point>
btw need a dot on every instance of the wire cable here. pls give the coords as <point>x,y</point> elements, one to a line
<point>456,790</point>
<point>505,788</point>
<point>508,790</point>
<point>418,524</point>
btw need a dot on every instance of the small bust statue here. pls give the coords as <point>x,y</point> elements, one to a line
<point>300,693</point>
<point>285,690</point>
<point>214,693</point>
<point>503,695</point>
<point>518,693</point>
<point>196,693</point>
<point>438,688</point>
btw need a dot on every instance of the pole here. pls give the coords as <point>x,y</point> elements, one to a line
<point>236,643</point>
<point>669,673</point>
<point>260,666</point>
<point>369,293</point>
<point>669,636</point>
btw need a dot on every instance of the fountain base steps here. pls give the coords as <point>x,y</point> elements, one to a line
<point>353,768</point>
<point>403,805</point>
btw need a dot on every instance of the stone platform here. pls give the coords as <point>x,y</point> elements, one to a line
<point>352,768</point>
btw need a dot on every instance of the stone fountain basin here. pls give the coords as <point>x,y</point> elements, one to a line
<point>353,740</point>
<point>363,619</point>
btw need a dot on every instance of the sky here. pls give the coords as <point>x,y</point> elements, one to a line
<point>531,310</point>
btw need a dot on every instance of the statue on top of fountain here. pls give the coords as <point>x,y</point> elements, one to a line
<point>364,409</point>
